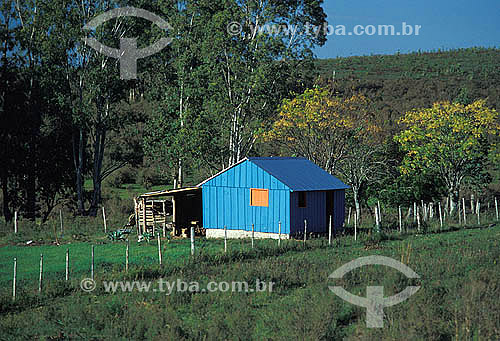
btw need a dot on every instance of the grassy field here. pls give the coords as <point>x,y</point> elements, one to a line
<point>458,299</point>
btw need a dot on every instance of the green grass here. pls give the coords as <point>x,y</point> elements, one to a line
<point>458,298</point>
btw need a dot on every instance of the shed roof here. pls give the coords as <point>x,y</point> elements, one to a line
<point>299,173</point>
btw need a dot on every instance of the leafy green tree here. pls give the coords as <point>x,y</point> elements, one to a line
<point>448,139</point>
<point>217,88</point>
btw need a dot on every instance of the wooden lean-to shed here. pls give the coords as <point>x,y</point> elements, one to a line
<point>264,191</point>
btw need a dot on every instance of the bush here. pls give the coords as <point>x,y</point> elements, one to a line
<point>148,177</point>
<point>125,175</point>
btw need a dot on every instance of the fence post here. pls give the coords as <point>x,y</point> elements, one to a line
<point>279,233</point>
<point>330,231</point>
<point>305,232</point>
<point>463,209</point>
<point>440,216</point>
<point>61,221</point>
<point>400,220</point>
<point>418,218</point>
<point>126,256</point>
<point>159,249</point>
<point>379,212</point>
<point>104,219</point>
<point>14,280</point>
<point>355,225</point>
<point>15,222</point>
<point>41,275</point>
<point>478,210</point>
<point>225,238</point>
<point>253,228</point>
<point>67,265</point>
<point>92,264</point>
<point>496,207</point>
<point>192,240</point>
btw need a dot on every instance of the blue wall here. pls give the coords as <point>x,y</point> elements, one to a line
<point>226,201</point>
<point>314,212</point>
<point>339,210</point>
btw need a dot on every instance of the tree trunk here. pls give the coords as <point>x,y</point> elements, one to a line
<point>453,195</point>
<point>79,163</point>
<point>356,203</point>
<point>7,213</point>
<point>96,176</point>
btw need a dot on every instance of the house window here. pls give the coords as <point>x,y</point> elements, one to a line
<point>302,199</point>
<point>259,197</point>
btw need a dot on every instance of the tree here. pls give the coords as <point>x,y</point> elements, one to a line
<point>338,134</point>
<point>318,126</point>
<point>449,139</point>
<point>216,87</point>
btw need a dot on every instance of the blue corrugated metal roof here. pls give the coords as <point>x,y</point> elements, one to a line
<point>298,173</point>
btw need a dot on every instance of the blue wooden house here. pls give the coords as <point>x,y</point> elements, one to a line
<point>264,191</point>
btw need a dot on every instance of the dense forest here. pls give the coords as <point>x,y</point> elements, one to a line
<point>70,127</point>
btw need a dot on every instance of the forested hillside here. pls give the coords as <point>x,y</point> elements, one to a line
<point>402,82</point>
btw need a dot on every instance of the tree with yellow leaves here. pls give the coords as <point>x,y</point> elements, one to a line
<point>337,134</point>
<point>317,125</point>
<point>449,139</point>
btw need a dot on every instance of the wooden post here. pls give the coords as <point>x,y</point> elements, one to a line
<point>104,219</point>
<point>192,240</point>
<point>61,221</point>
<point>459,212</point>
<point>400,220</point>
<point>478,209</point>
<point>41,274</point>
<point>253,228</point>
<point>496,207</point>
<point>143,215</point>
<point>379,212</point>
<point>14,280</point>
<point>159,249</point>
<point>472,203</point>
<point>355,225</point>
<point>463,210</point>
<point>15,222</point>
<point>330,231</point>
<point>279,233</point>
<point>225,238</point>
<point>349,216</point>
<point>164,220</point>
<point>418,218</point>
<point>440,216</point>
<point>305,232</point>
<point>414,212</point>
<point>126,256</point>
<point>154,220</point>
<point>92,264</point>
<point>377,224</point>
<point>67,265</point>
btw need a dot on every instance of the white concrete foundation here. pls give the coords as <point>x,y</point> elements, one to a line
<point>233,234</point>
